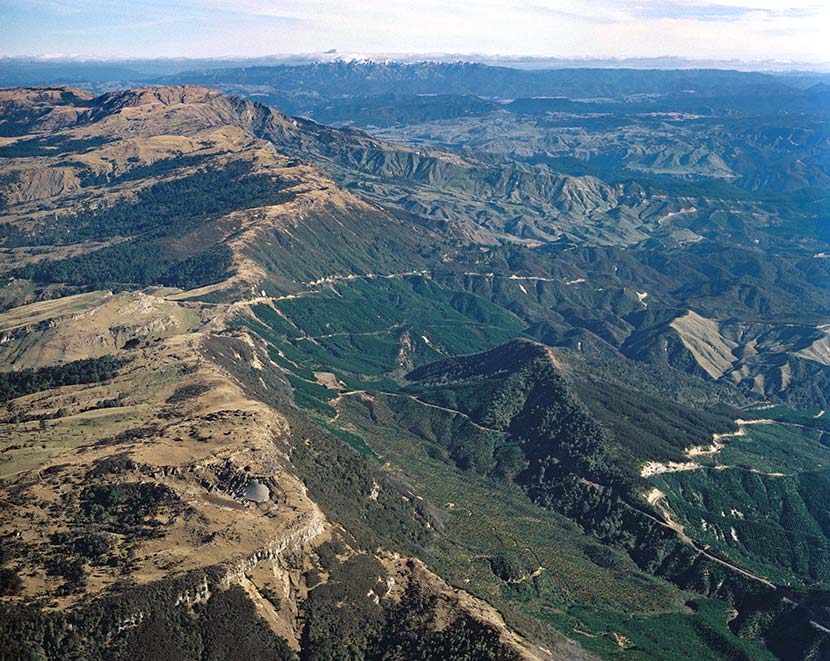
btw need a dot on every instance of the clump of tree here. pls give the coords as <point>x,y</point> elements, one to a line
<point>205,268</point>
<point>507,568</point>
<point>135,263</point>
<point>126,507</point>
<point>73,570</point>
<point>50,146</point>
<point>160,167</point>
<point>87,370</point>
<point>341,619</point>
<point>10,582</point>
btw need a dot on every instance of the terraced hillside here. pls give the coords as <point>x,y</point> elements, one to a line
<point>376,399</point>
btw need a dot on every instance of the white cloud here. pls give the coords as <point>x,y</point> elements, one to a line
<point>726,28</point>
<point>748,29</point>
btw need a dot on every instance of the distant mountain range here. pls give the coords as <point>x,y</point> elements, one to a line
<point>107,74</point>
<point>513,61</point>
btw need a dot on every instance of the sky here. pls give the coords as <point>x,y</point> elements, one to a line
<point>723,29</point>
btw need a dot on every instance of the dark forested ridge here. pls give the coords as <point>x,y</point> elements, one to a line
<point>161,214</point>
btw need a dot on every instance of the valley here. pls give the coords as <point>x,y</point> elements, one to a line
<point>494,375</point>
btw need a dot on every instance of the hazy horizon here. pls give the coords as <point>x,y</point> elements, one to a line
<point>729,30</point>
<point>666,62</point>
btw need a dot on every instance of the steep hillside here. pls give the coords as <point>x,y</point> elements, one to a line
<point>759,358</point>
<point>94,199</point>
<point>551,434</point>
<point>170,186</point>
<point>87,194</point>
